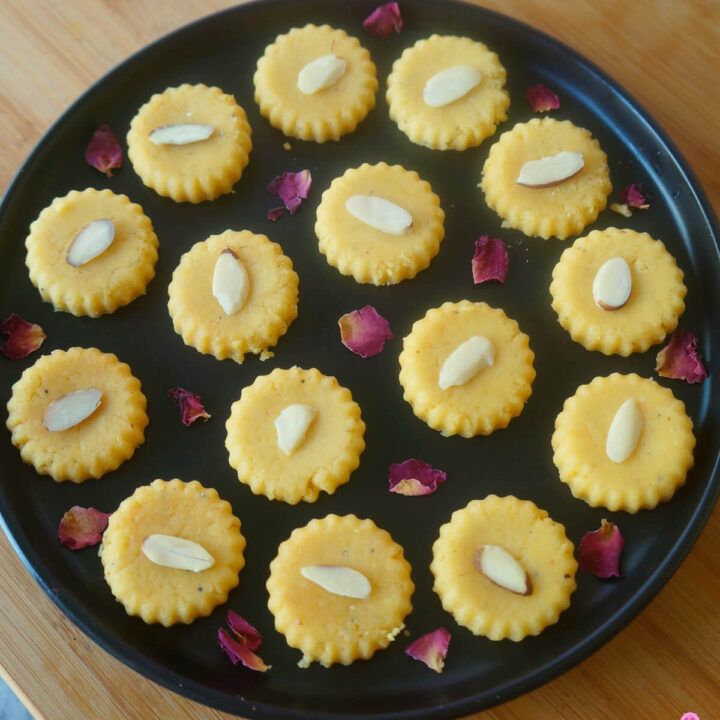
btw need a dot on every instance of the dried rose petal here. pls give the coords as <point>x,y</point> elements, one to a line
<point>240,653</point>
<point>383,20</point>
<point>191,407</point>
<point>275,213</point>
<point>364,331</point>
<point>291,188</point>
<point>599,551</point>
<point>431,649</point>
<point>414,477</point>
<point>81,527</point>
<point>680,359</point>
<point>24,337</point>
<point>244,631</point>
<point>635,197</point>
<point>490,261</point>
<point>542,99</point>
<point>103,151</point>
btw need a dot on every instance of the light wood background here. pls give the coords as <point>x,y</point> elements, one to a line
<point>667,54</point>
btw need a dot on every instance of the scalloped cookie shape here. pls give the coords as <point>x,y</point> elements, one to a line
<point>98,444</point>
<point>560,210</point>
<point>466,121</point>
<point>103,284</point>
<point>168,595</point>
<point>328,113</point>
<point>195,171</point>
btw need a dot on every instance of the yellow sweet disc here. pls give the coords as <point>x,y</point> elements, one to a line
<point>661,458</point>
<point>327,113</point>
<point>489,399</point>
<point>537,542</point>
<point>330,449</point>
<point>652,310</point>
<point>330,628</point>
<point>98,444</point>
<point>170,595</point>
<point>371,255</point>
<point>462,123</point>
<point>110,280</point>
<point>195,171</point>
<point>270,307</point>
<point>557,211</point>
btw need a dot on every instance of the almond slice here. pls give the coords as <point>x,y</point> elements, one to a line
<point>466,361</point>
<point>551,170</point>
<point>180,134</point>
<point>93,240</point>
<point>320,74</point>
<point>231,282</point>
<point>450,84</point>
<point>175,552</point>
<point>379,213</point>
<point>502,569</point>
<point>71,409</point>
<point>338,580</point>
<point>624,432</point>
<point>292,425</point>
<point>612,284</point>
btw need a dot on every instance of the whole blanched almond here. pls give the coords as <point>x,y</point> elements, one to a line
<point>625,430</point>
<point>180,134</point>
<point>450,84</point>
<point>71,409</point>
<point>551,170</point>
<point>175,552</point>
<point>466,361</point>
<point>93,240</point>
<point>339,580</point>
<point>612,284</point>
<point>292,425</point>
<point>231,282</point>
<point>502,569</point>
<point>379,213</point>
<point>320,74</point>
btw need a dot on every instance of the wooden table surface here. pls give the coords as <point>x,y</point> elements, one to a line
<point>667,54</point>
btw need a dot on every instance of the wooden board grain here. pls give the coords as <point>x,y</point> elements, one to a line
<point>667,54</point>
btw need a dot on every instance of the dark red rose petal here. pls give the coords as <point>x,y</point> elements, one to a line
<point>81,527</point>
<point>103,151</point>
<point>414,477</point>
<point>291,188</point>
<point>24,337</point>
<point>275,213</point>
<point>244,631</point>
<point>490,261</point>
<point>431,649</point>
<point>599,551</point>
<point>239,652</point>
<point>634,196</point>
<point>383,20</point>
<point>542,99</point>
<point>680,359</point>
<point>191,407</point>
<point>364,331</point>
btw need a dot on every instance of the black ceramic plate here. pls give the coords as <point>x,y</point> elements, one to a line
<point>222,50</point>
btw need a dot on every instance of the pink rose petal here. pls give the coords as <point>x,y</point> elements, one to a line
<point>542,99</point>
<point>383,20</point>
<point>24,337</point>
<point>292,188</point>
<point>81,527</point>
<point>103,151</point>
<point>599,551</point>
<point>275,213</point>
<point>239,652</point>
<point>635,197</point>
<point>431,649</point>
<point>680,359</point>
<point>490,261</point>
<point>191,407</point>
<point>364,331</point>
<point>244,631</point>
<point>414,477</point>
